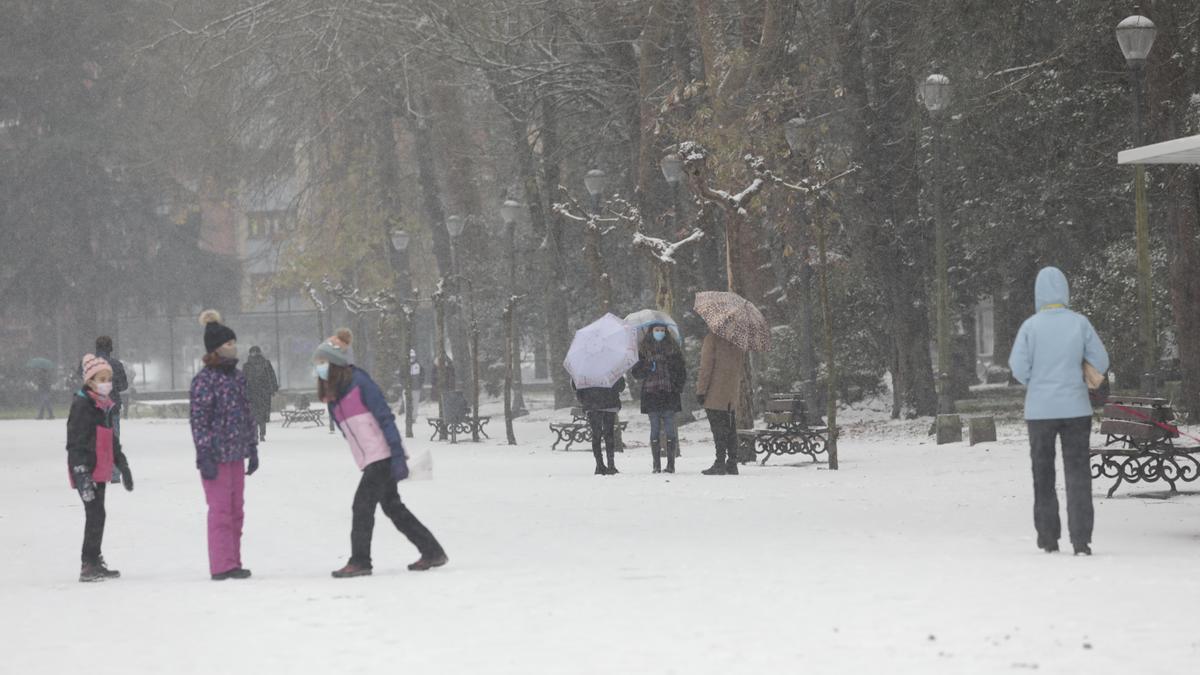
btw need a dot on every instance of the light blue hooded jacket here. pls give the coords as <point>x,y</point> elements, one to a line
<point>1048,354</point>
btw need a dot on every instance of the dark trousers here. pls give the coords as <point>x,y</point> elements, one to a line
<point>1077,474</point>
<point>47,409</point>
<point>603,425</point>
<point>93,525</point>
<point>262,430</point>
<point>377,487</point>
<point>724,430</point>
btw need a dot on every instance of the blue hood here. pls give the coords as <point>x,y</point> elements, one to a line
<point>1051,289</point>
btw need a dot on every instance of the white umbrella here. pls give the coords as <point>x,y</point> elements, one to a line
<point>644,318</point>
<point>602,352</point>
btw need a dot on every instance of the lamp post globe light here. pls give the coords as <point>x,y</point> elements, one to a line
<point>595,181</point>
<point>455,225</point>
<point>672,168</point>
<point>793,129</point>
<point>510,212</point>
<point>935,95</point>
<point>400,240</point>
<point>1135,36</point>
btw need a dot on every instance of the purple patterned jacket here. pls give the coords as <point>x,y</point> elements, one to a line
<point>222,424</point>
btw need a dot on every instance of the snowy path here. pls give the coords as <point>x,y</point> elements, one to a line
<point>910,559</point>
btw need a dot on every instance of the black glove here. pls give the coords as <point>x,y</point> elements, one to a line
<point>126,476</point>
<point>700,399</point>
<point>253,462</point>
<point>84,483</point>
<point>208,469</point>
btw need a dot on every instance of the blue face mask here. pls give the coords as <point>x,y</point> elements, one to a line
<point>660,335</point>
<point>322,371</point>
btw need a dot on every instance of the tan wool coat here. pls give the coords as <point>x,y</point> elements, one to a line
<point>720,380</point>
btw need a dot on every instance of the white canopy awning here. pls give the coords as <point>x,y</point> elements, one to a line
<point>1179,151</point>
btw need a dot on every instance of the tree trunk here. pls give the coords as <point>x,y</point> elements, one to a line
<point>879,115</point>
<point>556,314</point>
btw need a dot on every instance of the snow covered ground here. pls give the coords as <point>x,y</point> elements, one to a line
<point>912,558</point>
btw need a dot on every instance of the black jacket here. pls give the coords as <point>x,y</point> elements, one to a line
<point>600,398</point>
<point>261,384</point>
<point>81,433</point>
<point>664,401</point>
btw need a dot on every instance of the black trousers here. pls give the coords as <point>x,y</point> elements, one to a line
<point>724,430</point>
<point>93,525</point>
<point>1077,474</point>
<point>603,426</point>
<point>378,488</point>
<point>262,430</point>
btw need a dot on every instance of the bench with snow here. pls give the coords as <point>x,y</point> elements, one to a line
<point>791,430</point>
<point>1139,444</point>
<point>579,431</point>
<point>301,412</point>
<point>457,419</point>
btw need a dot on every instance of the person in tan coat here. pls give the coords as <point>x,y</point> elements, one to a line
<point>718,390</point>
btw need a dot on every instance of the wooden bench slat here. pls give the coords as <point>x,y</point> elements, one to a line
<point>1135,430</point>
<point>1138,413</point>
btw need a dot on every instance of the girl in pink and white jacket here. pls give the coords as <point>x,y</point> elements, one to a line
<point>362,414</point>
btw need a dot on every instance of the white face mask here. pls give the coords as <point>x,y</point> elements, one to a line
<point>103,388</point>
<point>227,351</point>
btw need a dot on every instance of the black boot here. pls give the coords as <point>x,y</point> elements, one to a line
<point>612,465</point>
<point>656,453</point>
<point>671,450</point>
<point>600,470</point>
<point>718,467</point>
<point>731,465</point>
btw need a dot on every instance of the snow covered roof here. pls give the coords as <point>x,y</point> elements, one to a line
<point>1184,150</point>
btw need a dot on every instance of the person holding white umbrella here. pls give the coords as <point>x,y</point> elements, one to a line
<point>600,355</point>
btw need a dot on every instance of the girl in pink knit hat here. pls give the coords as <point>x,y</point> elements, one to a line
<point>93,450</point>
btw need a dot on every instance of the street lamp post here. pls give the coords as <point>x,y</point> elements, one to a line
<point>510,212</point>
<point>672,171</point>
<point>596,181</point>
<point>793,133</point>
<point>400,240</point>
<point>1136,35</point>
<point>935,94</point>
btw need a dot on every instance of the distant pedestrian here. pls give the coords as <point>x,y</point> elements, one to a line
<point>1048,356</point>
<point>718,389</point>
<point>416,378</point>
<point>42,379</point>
<point>442,379</point>
<point>361,412</point>
<point>120,381</point>
<point>93,451</point>
<point>602,405</point>
<point>223,431</point>
<point>261,385</point>
<point>663,373</point>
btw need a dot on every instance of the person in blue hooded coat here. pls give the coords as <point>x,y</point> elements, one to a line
<point>1047,357</point>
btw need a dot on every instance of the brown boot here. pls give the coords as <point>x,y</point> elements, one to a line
<point>352,570</point>
<point>429,562</point>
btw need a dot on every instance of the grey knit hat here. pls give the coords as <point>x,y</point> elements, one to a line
<point>336,349</point>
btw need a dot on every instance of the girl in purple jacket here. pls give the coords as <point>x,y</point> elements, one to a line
<point>225,436</point>
<point>362,413</point>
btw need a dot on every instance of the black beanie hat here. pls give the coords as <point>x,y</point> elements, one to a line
<point>215,333</point>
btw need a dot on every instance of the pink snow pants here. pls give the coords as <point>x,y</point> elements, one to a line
<point>225,515</point>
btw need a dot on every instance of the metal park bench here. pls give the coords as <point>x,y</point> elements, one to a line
<point>579,431</point>
<point>1140,444</point>
<point>301,412</point>
<point>791,430</point>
